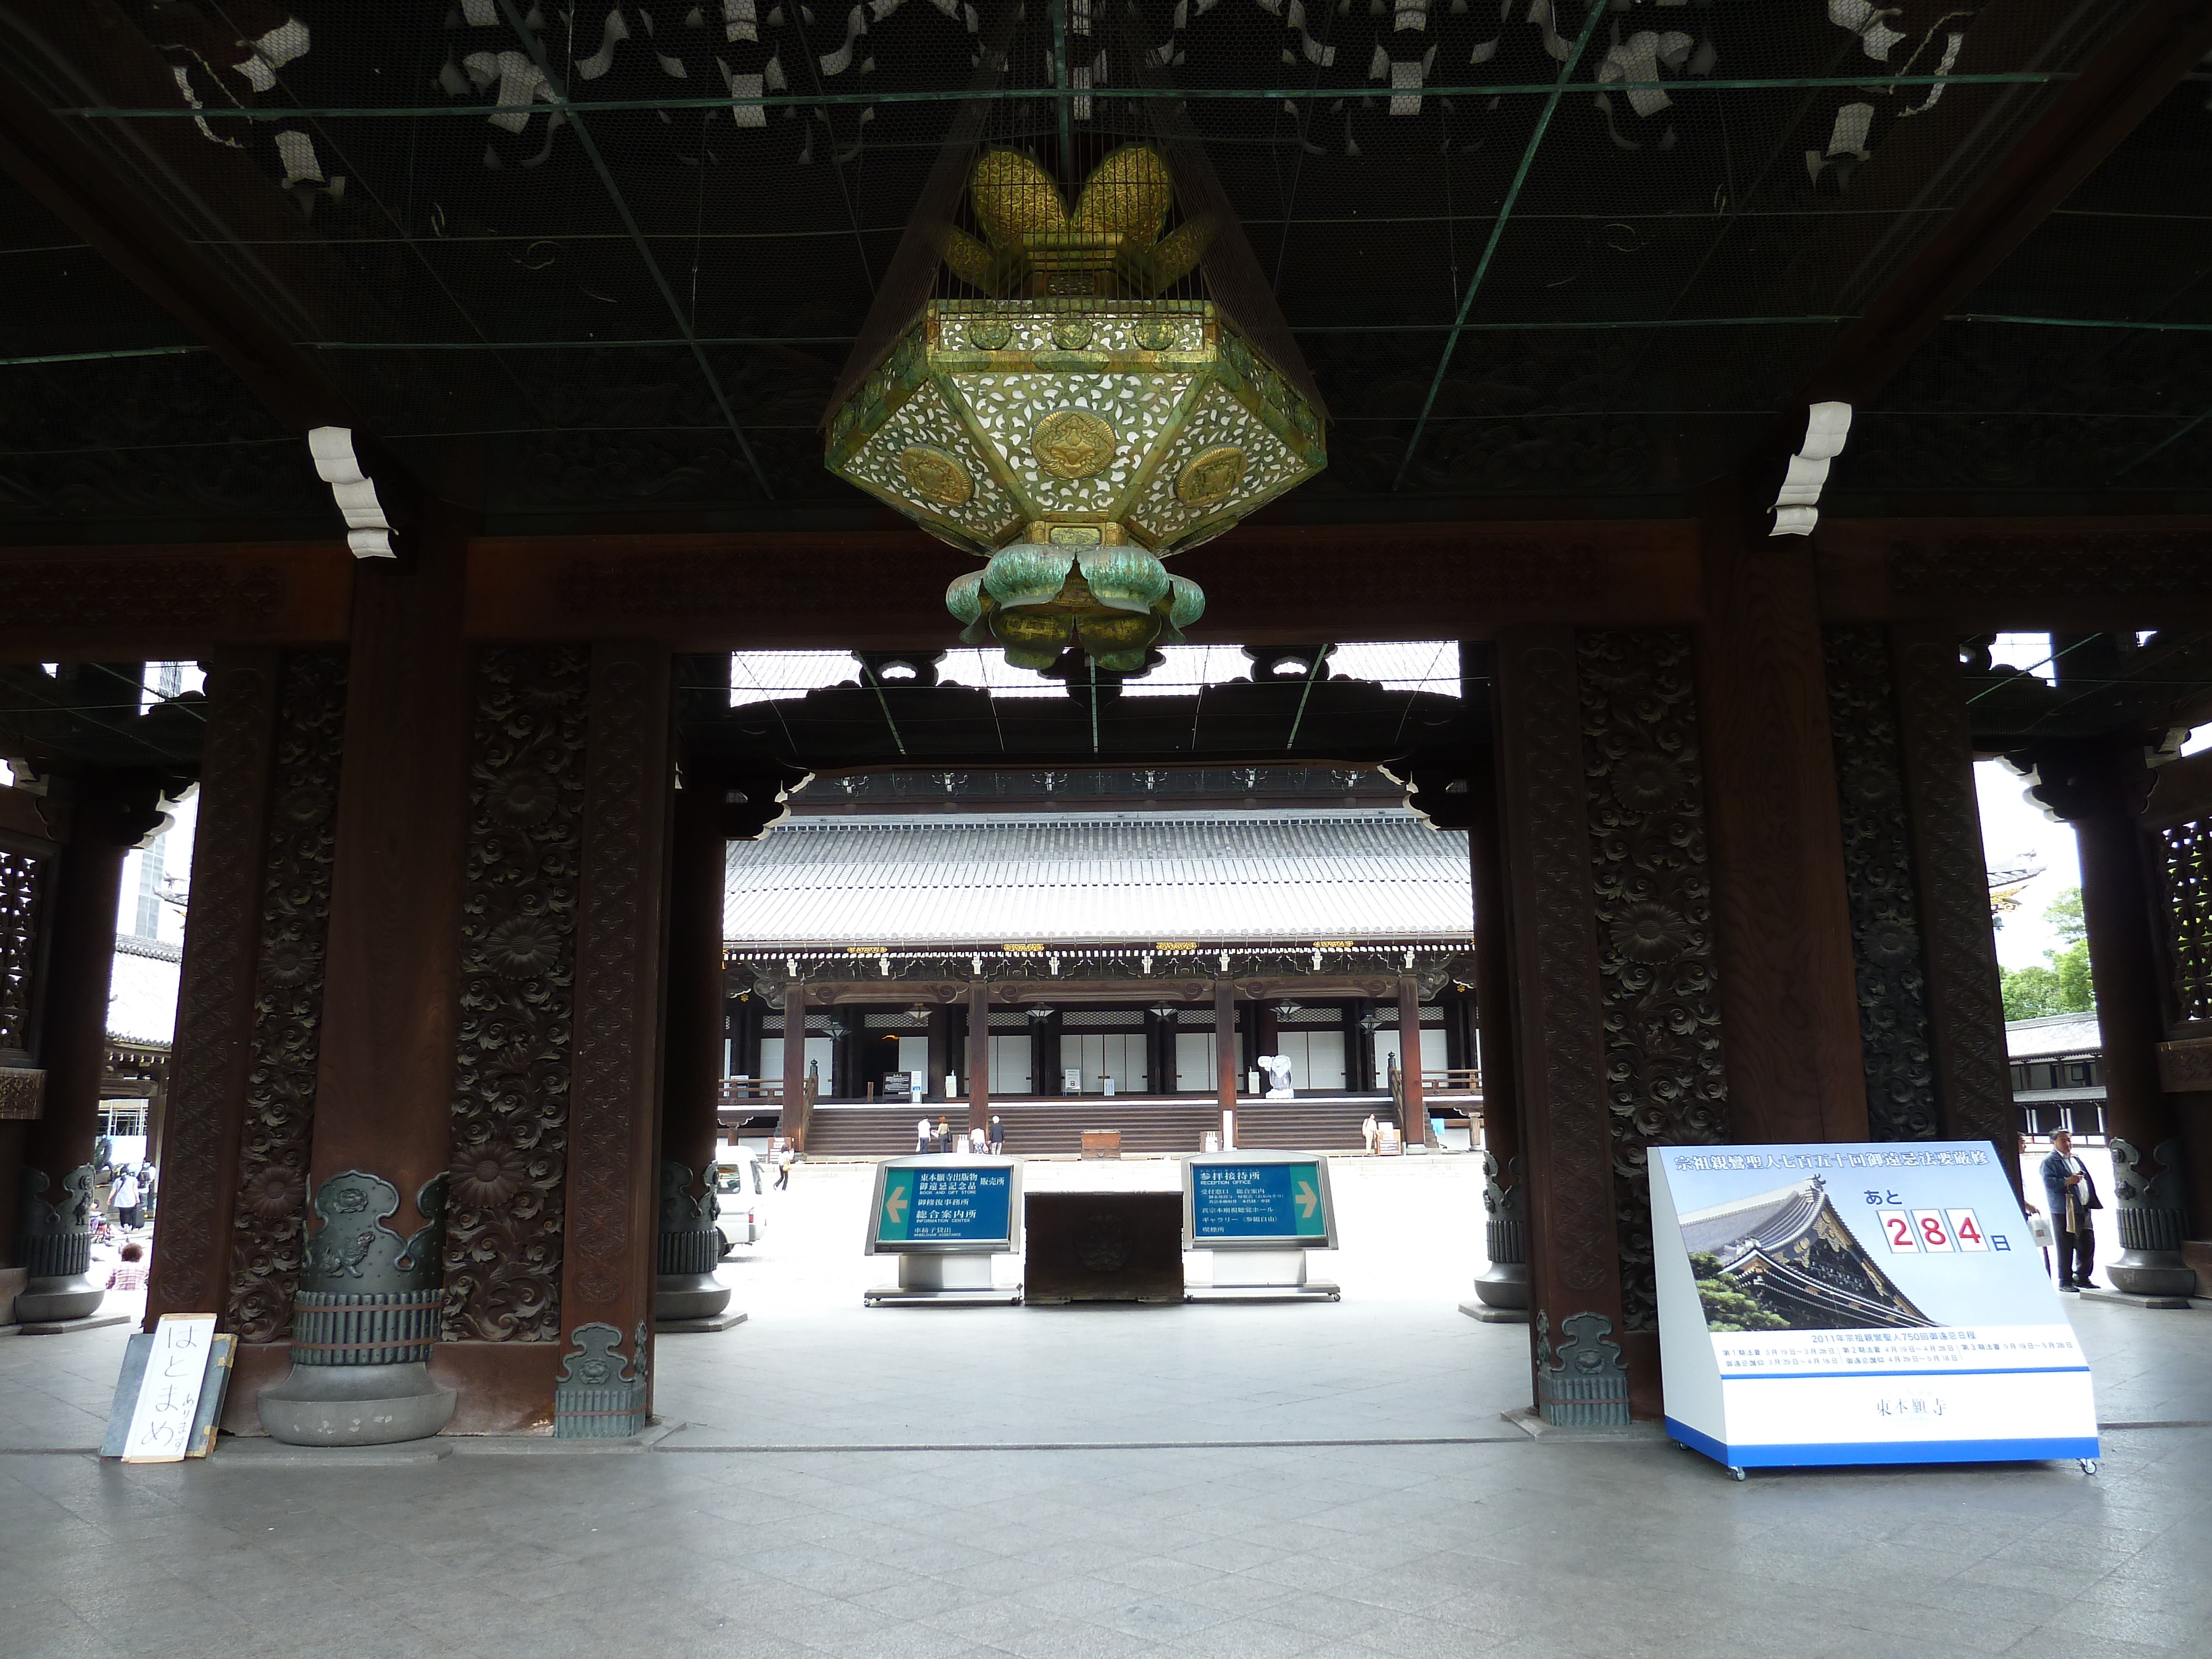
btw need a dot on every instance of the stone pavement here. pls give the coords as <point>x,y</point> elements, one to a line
<point>724,1541</point>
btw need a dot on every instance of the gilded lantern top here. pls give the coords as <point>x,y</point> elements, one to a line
<point>1073,396</point>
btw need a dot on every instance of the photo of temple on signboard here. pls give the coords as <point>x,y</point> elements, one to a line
<point>1784,1260</point>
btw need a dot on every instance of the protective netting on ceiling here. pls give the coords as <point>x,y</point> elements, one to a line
<point>611,257</point>
<point>2083,363</point>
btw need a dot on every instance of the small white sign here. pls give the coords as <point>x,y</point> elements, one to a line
<point>169,1398</point>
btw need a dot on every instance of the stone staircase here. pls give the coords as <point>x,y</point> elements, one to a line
<point>1042,1128</point>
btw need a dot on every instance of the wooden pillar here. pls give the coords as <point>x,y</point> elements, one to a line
<point>1574,1267</point>
<point>108,814</point>
<point>979,1053</point>
<point>213,1052</point>
<point>940,1052</point>
<point>373,1253</point>
<point>1966,1003</point>
<point>1413,1112</point>
<point>1225,1055</point>
<point>1787,988</point>
<point>795,1114</point>
<point>608,1269</point>
<point>2099,785</point>
<point>1503,1286</point>
<point>1044,1053</point>
<point>690,1099</point>
<point>1159,1050</point>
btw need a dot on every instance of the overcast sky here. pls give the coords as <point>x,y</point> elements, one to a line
<point>2015,834</point>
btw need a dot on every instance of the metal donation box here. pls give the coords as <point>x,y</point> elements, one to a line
<point>1259,1213</point>
<point>945,1218</point>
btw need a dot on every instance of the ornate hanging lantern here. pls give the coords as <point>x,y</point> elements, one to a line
<point>1073,425</point>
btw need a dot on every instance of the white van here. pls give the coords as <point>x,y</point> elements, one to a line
<point>739,1188</point>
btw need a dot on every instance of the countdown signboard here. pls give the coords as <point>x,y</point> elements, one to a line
<point>1878,1303</point>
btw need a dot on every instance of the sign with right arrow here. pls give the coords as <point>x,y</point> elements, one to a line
<point>1257,1201</point>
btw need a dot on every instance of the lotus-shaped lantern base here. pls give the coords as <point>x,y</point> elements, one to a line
<point>1114,599</point>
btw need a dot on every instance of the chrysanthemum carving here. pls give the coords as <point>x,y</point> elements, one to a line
<point>523,945</point>
<point>1652,933</point>
<point>489,1177</point>
<point>1644,783</point>
<point>522,797</point>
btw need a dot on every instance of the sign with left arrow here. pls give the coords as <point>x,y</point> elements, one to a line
<point>937,1204</point>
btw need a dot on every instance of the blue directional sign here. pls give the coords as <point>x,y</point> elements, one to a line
<point>931,1205</point>
<point>1258,1202</point>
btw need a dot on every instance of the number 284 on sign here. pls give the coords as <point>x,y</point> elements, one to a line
<point>1935,1232</point>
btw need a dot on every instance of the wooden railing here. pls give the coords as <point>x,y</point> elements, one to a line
<point>1462,1083</point>
<point>749,1091</point>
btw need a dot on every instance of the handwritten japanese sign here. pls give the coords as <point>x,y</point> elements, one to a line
<point>167,1406</point>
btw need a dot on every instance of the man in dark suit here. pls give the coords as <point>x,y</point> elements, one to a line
<point>2072,1194</point>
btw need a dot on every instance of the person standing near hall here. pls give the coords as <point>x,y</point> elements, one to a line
<point>944,1135</point>
<point>998,1135</point>
<point>921,1135</point>
<point>1367,1132</point>
<point>2073,1195</point>
<point>126,1198</point>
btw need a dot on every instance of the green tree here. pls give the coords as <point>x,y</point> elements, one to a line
<point>2029,992</point>
<point>2076,995</point>
<point>2065,917</point>
<point>2064,987</point>
<point>1728,1306</point>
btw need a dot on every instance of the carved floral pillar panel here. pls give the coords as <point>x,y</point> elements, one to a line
<point>1574,1269</point>
<point>1896,1029</point>
<point>2180,825</point>
<point>612,1227</point>
<point>268,1223</point>
<point>1931,1023</point>
<point>1666,1085</point>
<point>507,1191</point>
<point>242,1075</point>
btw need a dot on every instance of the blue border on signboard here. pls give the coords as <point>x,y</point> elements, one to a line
<point>1838,1454</point>
<point>1985,1370</point>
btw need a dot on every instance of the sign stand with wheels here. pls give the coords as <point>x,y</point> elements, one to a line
<point>1259,1213</point>
<point>946,1219</point>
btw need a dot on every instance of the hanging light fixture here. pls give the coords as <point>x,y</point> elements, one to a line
<point>1073,425</point>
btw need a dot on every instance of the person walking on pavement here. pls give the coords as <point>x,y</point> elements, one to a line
<point>783,1162</point>
<point>921,1135</point>
<point>998,1135</point>
<point>2072,1194</point>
